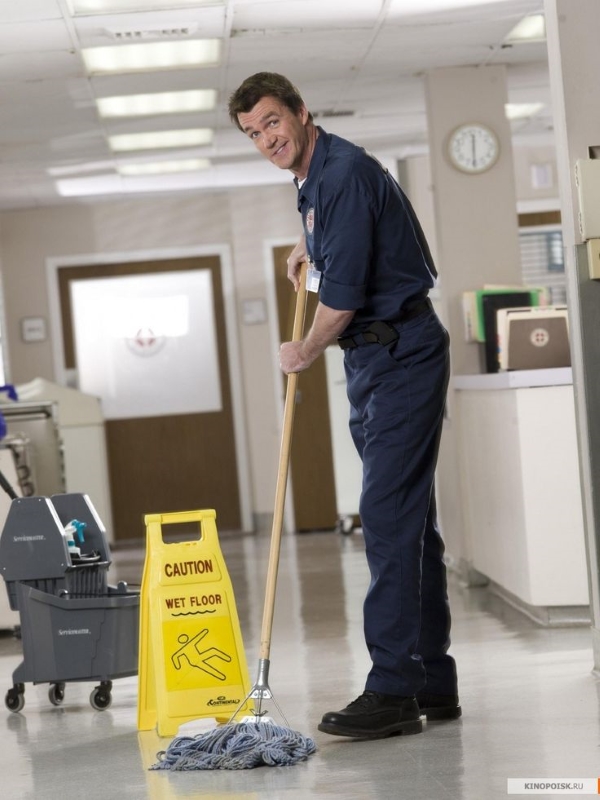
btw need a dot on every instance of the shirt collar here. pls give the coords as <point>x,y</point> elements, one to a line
<point>316,165</point>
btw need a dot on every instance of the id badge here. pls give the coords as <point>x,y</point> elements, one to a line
<point>313,279</point>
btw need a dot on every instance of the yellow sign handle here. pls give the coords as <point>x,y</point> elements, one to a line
<point>205,518</point>
<point>284,460</point>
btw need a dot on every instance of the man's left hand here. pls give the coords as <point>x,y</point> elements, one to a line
<point>292,357</point>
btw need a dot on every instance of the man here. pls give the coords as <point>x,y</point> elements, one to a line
<point>366,249</point>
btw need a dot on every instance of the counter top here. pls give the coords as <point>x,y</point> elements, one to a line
<point>515,379</point>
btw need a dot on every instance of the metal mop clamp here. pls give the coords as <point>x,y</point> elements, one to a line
<point>261,691</point>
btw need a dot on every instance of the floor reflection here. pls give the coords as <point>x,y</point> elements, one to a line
<point>530,699</point>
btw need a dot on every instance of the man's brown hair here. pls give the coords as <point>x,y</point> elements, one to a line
<point>264,84</point>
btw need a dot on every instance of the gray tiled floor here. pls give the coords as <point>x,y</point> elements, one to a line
<point>530,700</point>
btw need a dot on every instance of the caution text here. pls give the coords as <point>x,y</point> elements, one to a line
<point>185,568</point>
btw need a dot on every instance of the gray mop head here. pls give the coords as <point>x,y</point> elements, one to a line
<point>243,745</point>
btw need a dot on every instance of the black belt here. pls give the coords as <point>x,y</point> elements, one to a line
<point>381,332</point>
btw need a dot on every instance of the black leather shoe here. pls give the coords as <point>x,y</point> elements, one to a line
<point>439,706</point>
<point>373,716</point>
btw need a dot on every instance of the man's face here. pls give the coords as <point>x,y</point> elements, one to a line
<point>279,134</point>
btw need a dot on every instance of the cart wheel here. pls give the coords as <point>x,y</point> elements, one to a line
<point>345,525</point>
<point>56,693</point>
<point>15,698</point>
<point>100,698</point>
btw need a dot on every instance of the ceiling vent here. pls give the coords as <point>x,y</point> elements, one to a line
<point>265,32</point>
<point>330,112</point>
<point>152,33</point>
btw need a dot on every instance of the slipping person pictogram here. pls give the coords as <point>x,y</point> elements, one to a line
<point>196,658</point>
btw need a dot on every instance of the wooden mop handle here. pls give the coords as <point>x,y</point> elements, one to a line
<point>282,475</point>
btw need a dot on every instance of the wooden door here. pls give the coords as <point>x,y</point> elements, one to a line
<point>166,463</point>
<point>311,460</point>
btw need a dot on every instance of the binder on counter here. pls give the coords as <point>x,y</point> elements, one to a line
<point>533,338</point>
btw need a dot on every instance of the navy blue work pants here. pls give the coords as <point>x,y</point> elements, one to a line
<point>397,395</point>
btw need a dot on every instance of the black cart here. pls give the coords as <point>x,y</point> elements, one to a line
<point>74,626</point>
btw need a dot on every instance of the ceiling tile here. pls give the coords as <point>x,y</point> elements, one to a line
<point>29,10</point>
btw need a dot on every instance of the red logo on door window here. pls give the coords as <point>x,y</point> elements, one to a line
<point>146,342</point>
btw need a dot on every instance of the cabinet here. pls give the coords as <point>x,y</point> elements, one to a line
<point>520,488</point>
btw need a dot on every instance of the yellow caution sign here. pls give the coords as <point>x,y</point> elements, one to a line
<point>191,658</point>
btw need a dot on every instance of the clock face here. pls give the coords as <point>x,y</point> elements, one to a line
<point>473,148</point>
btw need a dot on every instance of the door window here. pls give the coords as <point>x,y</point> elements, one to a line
<point>146,344</point>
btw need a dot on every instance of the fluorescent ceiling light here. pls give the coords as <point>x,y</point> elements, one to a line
<point>248,173</point>
<point>78,169</point>
<point>137,105</point>
<point>115,6</point>
<point>521,110</point>
<point>530,29</point>
<point>154,55</point>
<point>163,167</point>
<point>193,137</point>
<point>403,8</point>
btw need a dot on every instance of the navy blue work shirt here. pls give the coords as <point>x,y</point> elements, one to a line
<point>362,234</point>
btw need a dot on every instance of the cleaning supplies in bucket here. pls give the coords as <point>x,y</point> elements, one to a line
<point>73,533</point>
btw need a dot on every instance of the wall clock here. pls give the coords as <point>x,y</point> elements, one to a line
<point>473,148</point>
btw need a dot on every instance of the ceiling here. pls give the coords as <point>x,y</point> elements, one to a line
<point>358,63</point>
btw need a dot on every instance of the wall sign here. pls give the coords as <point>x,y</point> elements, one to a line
<point>33,329</point>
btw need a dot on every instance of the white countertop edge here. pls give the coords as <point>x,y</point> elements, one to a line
<point>515,379</point>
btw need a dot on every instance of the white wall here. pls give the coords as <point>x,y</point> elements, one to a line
<point>527,160</point>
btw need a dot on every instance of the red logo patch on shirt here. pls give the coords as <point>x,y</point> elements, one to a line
<point>310,220</point>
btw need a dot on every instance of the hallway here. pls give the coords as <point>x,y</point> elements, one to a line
<point>530,701</point>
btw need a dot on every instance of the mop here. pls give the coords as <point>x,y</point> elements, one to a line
<point>257,740</point>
